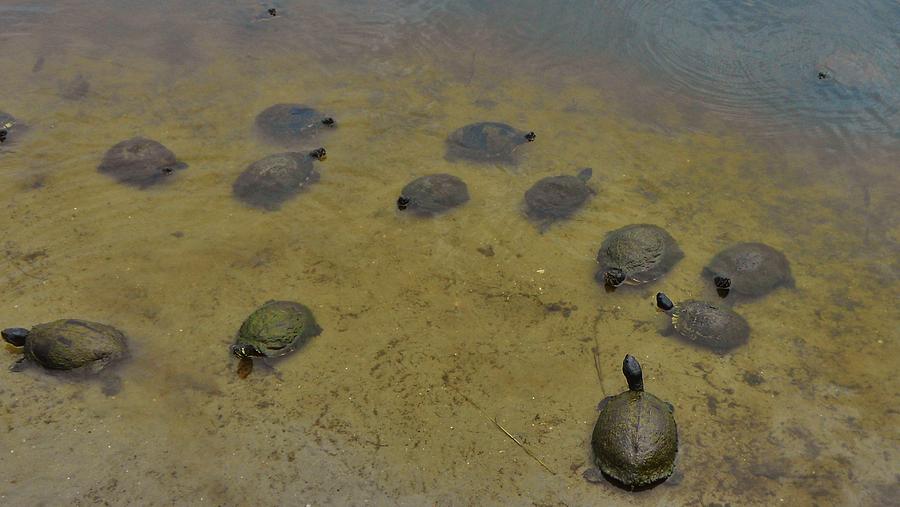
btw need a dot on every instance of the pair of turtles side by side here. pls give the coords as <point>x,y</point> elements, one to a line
<point>10,128</point>
<point>288,125</point>
<point>557,197</point>
<point>433,194</point>
<point>140,162</point>
<point>636,254</point>
<point>750,270</point>
<point>714,327</point>
<point>486,142</point>
<point>71,345</point>
<point>635,439</point>
<point>272,180</point>
<point>273,330</point>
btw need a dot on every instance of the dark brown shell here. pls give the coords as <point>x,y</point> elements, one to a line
<point>140,162</point>
<point>485,142</point>
<point>434,194</point>
<point>635,439</point>
<point>557,197</point>
<point>714,327</point>
<point>644,252</point>
<point>288,125</point>
<point>270,181</point>
<point>755,269</point>
<point>72,344</point>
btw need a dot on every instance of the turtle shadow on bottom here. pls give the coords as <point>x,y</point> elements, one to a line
<point>596,476</point>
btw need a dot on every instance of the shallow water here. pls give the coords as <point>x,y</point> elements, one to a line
<point>711,123</point>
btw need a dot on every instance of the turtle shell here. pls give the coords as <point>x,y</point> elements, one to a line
<point>557,197</point>
<point>485,142</point>
<point>635,439</point>
<point>289,124</point>
<point>278,327</point>
<point>140,162</point>
<point>755,269</point>
<point>714,327</point>
<point>270,181</point>
<point>71,344</point>
<point>643,252</point>
<point>433,194</point>
<point>10,128</point>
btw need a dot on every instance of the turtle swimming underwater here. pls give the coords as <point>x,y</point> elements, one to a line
<point>273,330</point>
<point>270,181</point>
<point>710,326</point>
<point>10,128</point>
<point>635,439</point>
<point>557,197</point>
<point>636,254</point>
<point>486,142</point>
<point>433,194</point>
<point>70,345</point>
<point>140,162</point>
<point>749,269</point>
<point>289,124</point>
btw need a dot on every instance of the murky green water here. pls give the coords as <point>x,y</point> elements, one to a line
<point>434,327</point>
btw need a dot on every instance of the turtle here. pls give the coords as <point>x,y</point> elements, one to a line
<point>274,179</point>
<point>10,128</point>
<point>289,124</point>
<point>71,345</point>
<point>140,162</point>
<point>76,88</point>
<point>557,197</point>
<point>635,439</point>
<point>486,142</point>
<point>433,194</point>
<point>273,330</point>
<point>636,254</point>
<point>749,269</point>
<point>714,327</point>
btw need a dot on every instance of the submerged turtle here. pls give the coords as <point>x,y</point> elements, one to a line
<point>140,162</point>
<point>76,88</point>
<point>10,128</point>
<point>273,330</point>
<point>707,325</point>
<point>749,269</point>
<point>289,124</point>
<point>270,181</point>
<point>70,345</point>
<point>636,254</point>
<point>557,197</point>
<point>486,142</point>
<point>635,440</point>
<point>433,194</point>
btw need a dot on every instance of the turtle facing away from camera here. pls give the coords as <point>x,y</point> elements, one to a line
<point>486,142</point>
<point>557,197</point>
<point>635,439</point>
<point>140,162</point>
<point>270,181</point>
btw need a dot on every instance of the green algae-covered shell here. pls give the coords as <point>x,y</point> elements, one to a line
<point>643,252</point>
<point>714,327</point>
<point>754,269</point>
<point>71,344</point>
<point>278,327</point>
<point>635,440</point>
<point>485,142</point>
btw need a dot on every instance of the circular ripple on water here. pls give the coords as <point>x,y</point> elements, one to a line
<point>764,58</point>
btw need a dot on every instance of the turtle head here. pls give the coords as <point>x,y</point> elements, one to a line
<point>722,282</point>
<point>663,302</point>
<point>614,277</point>
<point>632,370</point>
<point>15,336</point>
<point>247,350</point>
<point>530,137</point>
